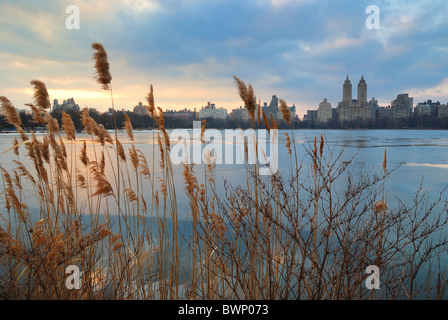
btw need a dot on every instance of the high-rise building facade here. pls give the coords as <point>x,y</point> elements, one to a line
<point>350,109</point>
<point>362,91</point>
<point>140,109</point>
<point>347,92</point>
<point>442,111</point>
<point>210,111</point>
<point>66,105</point>
<point>273,108</point>
<point>373,108</point>
<point>324,112</point>
<point>402,106</point>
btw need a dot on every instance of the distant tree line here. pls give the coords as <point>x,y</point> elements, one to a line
<point>138,121</point>
<point>146,122</point>
<point>106,119</point>
<point>411,122</point>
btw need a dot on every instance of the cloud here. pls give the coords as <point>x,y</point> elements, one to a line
<point>438,92</point>
<point>280,3</point>
<point>329,45</point>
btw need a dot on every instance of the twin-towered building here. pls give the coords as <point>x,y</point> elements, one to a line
<point>350,109</point>
<point>360,109</point>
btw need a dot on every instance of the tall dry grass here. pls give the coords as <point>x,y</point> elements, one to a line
<point>292,235</point>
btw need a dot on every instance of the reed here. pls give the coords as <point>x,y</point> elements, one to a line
<point>107,208</point>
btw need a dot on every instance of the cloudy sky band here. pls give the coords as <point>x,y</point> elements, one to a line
<point>300,50</point>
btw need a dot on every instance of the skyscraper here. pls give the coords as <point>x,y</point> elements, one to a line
<point>373,107</point>
<point>349,109</point>
<point>402,106</point>
<point>324,113</point>
<point>347,92</point>
<point>362,91</point>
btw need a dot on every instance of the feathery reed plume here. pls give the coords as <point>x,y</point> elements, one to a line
<point>128,127</point>
<point>52,124</point>
<point>117,246</point>
<point>134,157</point>
<point>162,151</point>
<point>41,97</point>
<point>83,155</point>
<point>68,126</point>
<point>61,154</point>
<point>81,180</point>
<point>102,164</point>
<point>166,138</point>
<point>104,231</point>
<point>286,113</point>
<point>156,198</point>
<point>144,168</point>
<point>380,207</point>
<point>191,182</point>
<point>160,119</point>
<point>103,135</point>
<point>11,198</point>
<point>90,126</point>
<point>150,99</point>
<point>248,96</point>
<point>251,102</point>
<point>37,114</point>
<point>208,158</point>
<point>10,112</point>
<point>242,89</point>
<point>121,152</point>
<point>385,161</point>
<point>163,187</point>
<point>266,122</point>
<point>315,166</point>
<point>115,238</point>
<point>16,146</point>
<point>288,143</point>
<point>321,144</point>
<point>204,123</point>
<point>103,75</point>
<point>273,122</point>
<point>132,197</point>
<point>259,112</point>
<point>24,172</point>
<point>103,187</point>
<point>62,147</point>
<point>86,121</point>
<point>45,146</point>
<point>17,181</point>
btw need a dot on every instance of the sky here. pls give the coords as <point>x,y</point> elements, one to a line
<point>189,50</point>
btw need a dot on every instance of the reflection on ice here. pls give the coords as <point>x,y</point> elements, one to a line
<point>431,165</point>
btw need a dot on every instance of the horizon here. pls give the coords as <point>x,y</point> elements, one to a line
<point>189,51</point>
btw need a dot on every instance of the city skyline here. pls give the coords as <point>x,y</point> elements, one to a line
<point>190,51</point>
<point>347,100</point>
